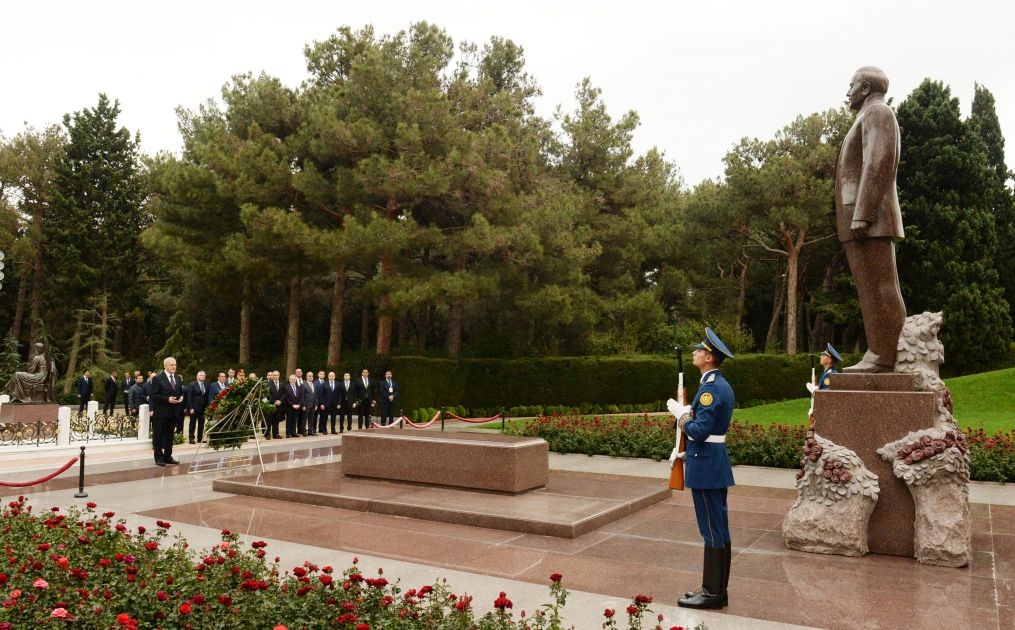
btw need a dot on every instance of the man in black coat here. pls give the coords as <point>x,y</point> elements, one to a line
<point>109,394</point>
<point>330,397</point>
<point>195,400</point>
<point>165,395</point>
<point>364,399</point>
<point>293,406</point>
<point>388,396</point>
<point>83,386</point>
<point>277,397</point>
<point>346,399</point>
<point>126,384</point>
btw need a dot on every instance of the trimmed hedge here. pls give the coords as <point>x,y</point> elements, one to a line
<point>484,384</point>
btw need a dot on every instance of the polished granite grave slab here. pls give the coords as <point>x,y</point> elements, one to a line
<point>484,461</point>
<point>569,505</point>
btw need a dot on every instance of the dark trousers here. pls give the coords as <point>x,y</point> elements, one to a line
<point>162,436</point>
<point>712,516</point>
<point>362,414</point>
<point>197,418</point>
<point>274,419</point>
<point>292,421</point>
<point>872,262</point>
<point>126,404</point>
<point>322,419</point>
<point>179,424</point>
<point>310,421</point>
<point>84,404</point>
<point>109,405</point>
<point>387,411</point>
<point>345,415</point>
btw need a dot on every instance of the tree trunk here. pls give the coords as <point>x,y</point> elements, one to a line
<point>75,347</point>
<point>383,311</point>
<point>245,308</point>
<point>335,331</point>
<point>364,328</point>
<point>103,327</point>
<point>455,317</point>
<point>292,337</point>
<point>791,302</point>
<point>779,297</point>
<point>118,339</point>
<point>35,315</point>
<point>423,326</point>
<point>742,296</point>
<point>19,308</point>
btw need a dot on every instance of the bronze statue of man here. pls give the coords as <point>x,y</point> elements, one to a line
<point>868,217</point>
<point>38,382</point>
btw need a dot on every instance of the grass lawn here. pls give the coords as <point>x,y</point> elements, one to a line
<point>985,400</point>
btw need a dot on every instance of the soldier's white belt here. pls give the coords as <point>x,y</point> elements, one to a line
<point>715,439</point>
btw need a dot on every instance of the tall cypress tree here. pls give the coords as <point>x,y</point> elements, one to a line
<point>945,262</point>
<point>93,248</point>
<point>986,124</point>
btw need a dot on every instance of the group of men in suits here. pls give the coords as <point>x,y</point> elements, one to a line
<point>309,404</point>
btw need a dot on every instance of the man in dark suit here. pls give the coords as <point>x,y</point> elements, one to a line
<point>112,387</point>
<point>311,396</point>
<point>277,397</point>
<point>364,399</point>
<point>869,218</point>
<point>346,400</point>
<point>217,387</point>
<point>329,403</point>
<point>196,399</point>
<point>126,384</point>
<point>166,399</point>
<point>84,389</point>
<point>293,404</point>
<point>388,395</point>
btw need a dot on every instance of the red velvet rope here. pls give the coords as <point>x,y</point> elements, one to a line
<point>35,482</point>
<point>473,420</point>
<point>424,425</point>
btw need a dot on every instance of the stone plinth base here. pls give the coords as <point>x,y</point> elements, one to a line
<point>863,412</point>
<point>29,412</point>
<point>481,461</point>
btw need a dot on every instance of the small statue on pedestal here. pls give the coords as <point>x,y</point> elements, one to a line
<point>37,383</point>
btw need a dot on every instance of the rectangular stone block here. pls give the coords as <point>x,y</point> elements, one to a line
<point>483,461</point>
<point>29,412</point>
<point>864,421</point>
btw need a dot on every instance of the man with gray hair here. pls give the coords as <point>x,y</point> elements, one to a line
<point>868,217</point>
<point>196,399</point>
<point>166,399</point>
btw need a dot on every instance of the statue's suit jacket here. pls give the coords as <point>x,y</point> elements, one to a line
<point>865,173</point>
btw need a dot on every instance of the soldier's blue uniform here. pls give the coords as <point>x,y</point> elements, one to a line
<point>825,381</point>
<point>708,473</point>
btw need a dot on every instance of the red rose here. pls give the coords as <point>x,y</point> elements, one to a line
<point>325,580</point>
<point>91,505</point>
<point>632,610</point>
<point>556,577</point>
<point>162,596</point>
<point>502,602</point>
<point>609,612</point>
<point>185,608</point>
<point>642,599</point>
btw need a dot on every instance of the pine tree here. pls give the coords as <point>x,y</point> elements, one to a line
<point>946,188</point>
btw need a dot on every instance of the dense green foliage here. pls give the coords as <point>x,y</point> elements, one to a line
<point>405,199</point>
<point>481,384</point>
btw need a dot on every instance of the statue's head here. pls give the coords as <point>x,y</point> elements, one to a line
<point>866,81</point>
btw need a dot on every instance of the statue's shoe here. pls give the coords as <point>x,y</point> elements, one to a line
<point>867,367</point>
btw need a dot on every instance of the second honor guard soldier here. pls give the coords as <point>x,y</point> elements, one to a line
<point>829,359</point>
<point>707,469</point>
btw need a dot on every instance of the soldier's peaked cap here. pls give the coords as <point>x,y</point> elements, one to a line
<point>712,343</point>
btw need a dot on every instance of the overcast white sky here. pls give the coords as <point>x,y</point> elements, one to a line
<point>700,74</point>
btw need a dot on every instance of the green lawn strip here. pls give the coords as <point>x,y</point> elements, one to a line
<point>984,400</point>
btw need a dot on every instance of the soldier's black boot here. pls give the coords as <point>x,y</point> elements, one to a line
<point>710,595</point>
<point>727,560</point>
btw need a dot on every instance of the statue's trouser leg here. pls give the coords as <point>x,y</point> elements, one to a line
<point>872,262</point>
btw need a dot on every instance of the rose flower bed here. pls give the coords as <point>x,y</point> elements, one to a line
<point>84,569</point>
<point>992,457</point>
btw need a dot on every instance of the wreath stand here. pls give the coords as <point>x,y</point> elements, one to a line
<point>232,431</point>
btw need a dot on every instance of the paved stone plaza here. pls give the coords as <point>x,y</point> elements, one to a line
<point>656,550</point>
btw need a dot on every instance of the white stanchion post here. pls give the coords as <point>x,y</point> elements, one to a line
<point>143,422</point>
<point>63,426</point>
<point>93,408</point>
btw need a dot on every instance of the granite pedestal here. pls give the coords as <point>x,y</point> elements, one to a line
<point>29,412</point>
<point>482,461</point>
<point>863,412</point>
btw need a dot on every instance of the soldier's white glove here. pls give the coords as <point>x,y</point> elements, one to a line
<point>675,455</point>
<point>677,409</point>
<point>811,387</point>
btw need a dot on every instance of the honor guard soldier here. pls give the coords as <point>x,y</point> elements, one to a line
<point>707,469</point>
<point>829,359</point>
